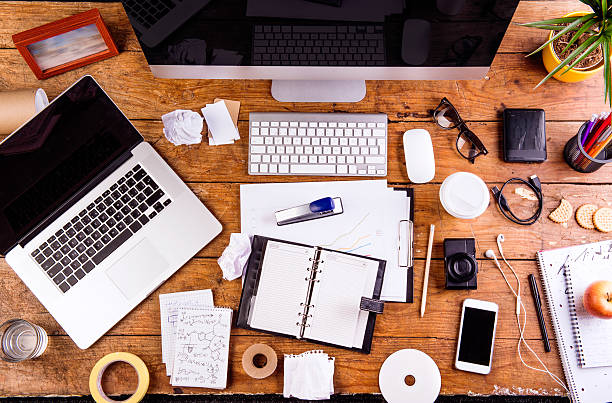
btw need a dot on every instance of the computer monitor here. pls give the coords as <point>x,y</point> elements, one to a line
<point>320,50</point>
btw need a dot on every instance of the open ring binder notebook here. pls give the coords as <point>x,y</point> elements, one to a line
<point>311,293</point>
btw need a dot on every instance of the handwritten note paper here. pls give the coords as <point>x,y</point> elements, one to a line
<point>169,306</point>
<point>202,348</point>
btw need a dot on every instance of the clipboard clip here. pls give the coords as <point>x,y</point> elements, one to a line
<point>404,244</point>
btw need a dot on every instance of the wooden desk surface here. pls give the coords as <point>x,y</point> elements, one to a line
<point>215,173</point>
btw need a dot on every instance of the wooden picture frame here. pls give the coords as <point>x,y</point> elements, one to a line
<point>48,49</point>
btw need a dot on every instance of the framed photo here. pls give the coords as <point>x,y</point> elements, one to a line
<point>67,44</point>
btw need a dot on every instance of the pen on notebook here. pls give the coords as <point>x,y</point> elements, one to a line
<point>538,304</point>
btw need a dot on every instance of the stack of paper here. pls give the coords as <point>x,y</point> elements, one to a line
<point>220,125</point>
<point>369,225</point>
<point>195,339</point>
<point>309,376</point>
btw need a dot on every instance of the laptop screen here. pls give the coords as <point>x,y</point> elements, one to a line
<point>55,154</point>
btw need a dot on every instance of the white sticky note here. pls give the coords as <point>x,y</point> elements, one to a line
<point>220,124</point>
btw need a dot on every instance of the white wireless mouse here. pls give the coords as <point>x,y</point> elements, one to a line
<point>418,150</point>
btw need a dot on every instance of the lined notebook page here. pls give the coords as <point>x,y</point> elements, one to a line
<point>592,333</point>
<point>336,317</point>
<point>282,288</point>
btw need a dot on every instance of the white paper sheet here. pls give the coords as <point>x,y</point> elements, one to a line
<point>169,306</point>
<point>220,124</point>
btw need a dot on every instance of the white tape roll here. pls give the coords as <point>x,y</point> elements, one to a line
<point>95,379</point>
<point>421,369</point>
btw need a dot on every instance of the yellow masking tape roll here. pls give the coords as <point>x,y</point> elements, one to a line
<point>95,379</point>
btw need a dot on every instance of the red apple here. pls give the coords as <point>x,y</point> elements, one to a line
<point>598,299</point>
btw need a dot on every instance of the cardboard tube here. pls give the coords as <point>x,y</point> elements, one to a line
<point>250,368</point>
<point>17,107</point>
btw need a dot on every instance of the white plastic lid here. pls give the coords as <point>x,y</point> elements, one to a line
<point>40,100</point>
<point>464,195</point>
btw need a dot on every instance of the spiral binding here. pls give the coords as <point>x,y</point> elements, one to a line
<point>574,318</point>
<point>311,280</point>
<point>569,376</point>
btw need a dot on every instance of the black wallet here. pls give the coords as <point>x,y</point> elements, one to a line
<point>524,135</point>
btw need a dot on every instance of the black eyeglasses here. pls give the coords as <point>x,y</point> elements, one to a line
<point>468,144</point>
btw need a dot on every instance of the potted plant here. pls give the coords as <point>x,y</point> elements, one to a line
<point>578,45</point>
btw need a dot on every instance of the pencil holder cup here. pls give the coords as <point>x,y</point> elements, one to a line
<point>579,160</point>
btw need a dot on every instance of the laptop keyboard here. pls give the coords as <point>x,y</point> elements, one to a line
<point>314,45</point>
<point>150,12</point>
<point>100,228</point>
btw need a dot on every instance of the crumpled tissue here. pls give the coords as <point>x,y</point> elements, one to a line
<point>235,256</point>
<point>309,375</point>
<point>183,127</point>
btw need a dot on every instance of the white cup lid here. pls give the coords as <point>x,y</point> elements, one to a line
<point>464,195</point>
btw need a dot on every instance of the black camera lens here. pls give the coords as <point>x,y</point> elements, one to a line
<point>461,267</point>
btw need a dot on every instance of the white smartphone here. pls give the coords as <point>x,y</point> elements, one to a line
<point>476,336</point>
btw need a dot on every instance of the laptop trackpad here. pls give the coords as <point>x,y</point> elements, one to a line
<point>137,269</point>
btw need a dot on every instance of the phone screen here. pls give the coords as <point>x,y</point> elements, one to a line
<point>477,336</point>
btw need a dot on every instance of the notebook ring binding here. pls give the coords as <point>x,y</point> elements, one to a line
<point>573,315</point>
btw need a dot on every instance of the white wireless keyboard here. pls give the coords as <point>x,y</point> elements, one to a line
<point>328,144</point>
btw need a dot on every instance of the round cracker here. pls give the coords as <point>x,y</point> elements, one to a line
<point>584,215</point>
<point>603,219</point>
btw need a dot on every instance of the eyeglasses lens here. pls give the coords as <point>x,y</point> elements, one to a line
<point>446,116</point>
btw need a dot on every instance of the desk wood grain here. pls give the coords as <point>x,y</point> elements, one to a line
<point>215,175</point>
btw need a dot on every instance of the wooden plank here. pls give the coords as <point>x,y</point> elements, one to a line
<point>53,374</point>
<point>510,83</point>
<point>399,320</point>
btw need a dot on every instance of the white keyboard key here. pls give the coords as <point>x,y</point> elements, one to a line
<point>278,140</point>
<point>381,142</point>
<point>292,131</point>
<point>325,141</point>
<point>307,150</point>
<point>294,159</point>
<point>274,131</point>
<point>336,150</point>
<point>329,132</point>
<point>315,141</point>
<point>283,131</point>
<point>352,124</point>
<point>276,158</point>
<point>371,124</point>
<point>263,168</point>
<point>364,151</point>
<point>344,142</point>
<point>301,132</point>
<point>255,158</point>
<point>269,140</point>
<point>379,132</point>
<point>312,159</point>
<point>311,132</point>
<point>354,150</point>
<point>380,172</point>
<point>264,131</point>
<point>283,168</point>
<point>331,159</point>
<point>318,150</point>
<point>286,140</point>
<point>289,150</point>
<point>257,140</point>
<point>361,172</point>
<point>273,168</point>
<point>254,168</point>
<point>363,142</point>
<point>254,123</point>
<point>327,150</point>
<point>306,141</point>
<point>320,132</point>
<point>332,124</point>
<point>258,149</point>
<point>322,159</point>
<point>341,159</point>
<point>265,158</point>
<point>348,132</point>
<point>360,159</point>
<point>293,124</point>
<point>367,132</point>
<point>274,124</point>
<point>350,159</point>
<point>342,169</point>
<point>312,124</point>
<point>270,149</point>
<point>334,141</point>
<point>284,124</point>
<point>353,141</point>
<point>313,169</point>
<point>303,159</point>
<point>346,150</point>
<point>352,169</point>
<point>371,170</point>
<point>264,123</point>
<point>303,124</point>
<point>280,149</point>
<point>341,124</point>
<point>375,160</point>
<point>339,132</point>
<point>373,150</point>
<point>297,141</point>
<point>322,124</point>
<point>357,132</point>
<point>371,141</point>
<point>299,150</point>
<point>255,131</point>
<point>380,125</point>
<point>284,158</point>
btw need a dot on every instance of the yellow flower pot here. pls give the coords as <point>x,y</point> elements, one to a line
<point>551,61</point>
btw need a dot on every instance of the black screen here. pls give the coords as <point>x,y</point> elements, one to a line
<point>477,336</point>
<point>444,33</point>
<point>55,154</point>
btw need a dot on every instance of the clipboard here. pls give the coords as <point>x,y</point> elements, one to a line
<point>405,245</point>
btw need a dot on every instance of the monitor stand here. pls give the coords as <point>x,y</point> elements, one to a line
<point>318,91</point>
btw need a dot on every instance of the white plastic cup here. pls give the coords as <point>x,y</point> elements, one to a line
<point>464,195</point>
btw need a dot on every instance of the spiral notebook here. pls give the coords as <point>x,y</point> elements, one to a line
<point>592,334</point>
<point>310,293</point>
<point>587,385</point>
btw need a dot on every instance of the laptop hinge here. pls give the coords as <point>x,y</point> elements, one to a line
<point>71,201</point>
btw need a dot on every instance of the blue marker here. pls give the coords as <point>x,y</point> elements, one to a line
<point>324,207</point>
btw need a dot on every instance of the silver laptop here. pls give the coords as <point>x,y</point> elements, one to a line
<point>91,218</point>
